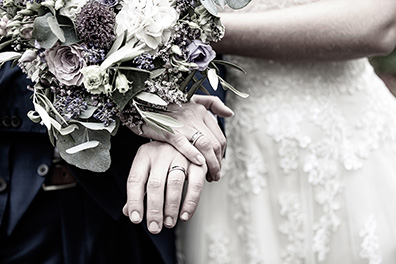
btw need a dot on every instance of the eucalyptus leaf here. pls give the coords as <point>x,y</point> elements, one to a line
<point>195,87</point>
<point>68,130</point>
<point>186,81</point>
<point>82,146</point>
<point>227,63</point>
<point>163,119</point>
<point>138,79</point>
<point>125,53</point>
<point>55,28</point>
<point>158,129</point>
<point>151,98</point>
<point>45,118</point>
<point>156,73</point>
<point>68,28</point>
<point>55,124</point>
<point>9,55</point>
<point>43,33</point>
<point>213,79</point>
<point>34,116</point>
<point>6,43</point>
<point>226,85</point>
<point>70,35</point>
<point>117,43</point>
<point>210,6</point>
<point>87,113</point>
<point>130,69</point>
<point>95,125</point>
<point>95,159</point>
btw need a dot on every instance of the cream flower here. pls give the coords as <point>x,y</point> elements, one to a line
<point>122,83</point>
<point>72,8</point>
<point>148,21</point>
<point>95,79</point>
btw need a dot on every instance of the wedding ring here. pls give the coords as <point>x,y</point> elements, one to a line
<point>178,168</point>
<point>195,137</point>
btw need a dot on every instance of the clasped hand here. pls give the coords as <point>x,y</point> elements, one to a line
<point>163,168</point>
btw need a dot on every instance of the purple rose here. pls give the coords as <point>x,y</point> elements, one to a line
<point>200,53</point>
<point>65,62</point>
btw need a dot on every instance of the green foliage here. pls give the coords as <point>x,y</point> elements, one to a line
<point>385,67</point>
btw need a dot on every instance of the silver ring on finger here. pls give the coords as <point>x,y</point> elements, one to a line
<point>195,137</point>
<point>180,168</point>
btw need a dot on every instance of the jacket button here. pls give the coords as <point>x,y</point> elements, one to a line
<point>6,121</point>
<point>15,122</point>
<point>42,170</point>
<point>3,184</point>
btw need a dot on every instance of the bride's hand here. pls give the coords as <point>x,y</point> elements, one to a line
<point>200,139</point>
<point>160,172</point>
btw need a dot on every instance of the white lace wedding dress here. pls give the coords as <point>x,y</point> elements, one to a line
<point>310,169</point>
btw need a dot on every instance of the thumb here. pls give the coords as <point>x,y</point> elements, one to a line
<point>214,104</point>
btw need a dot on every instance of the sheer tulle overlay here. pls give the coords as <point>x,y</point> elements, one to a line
<point>310,169</point>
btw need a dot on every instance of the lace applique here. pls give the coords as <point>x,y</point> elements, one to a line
<point>218,248</point>
<point>247,177</point>
<point>292,227</point>
<point>370,245</point>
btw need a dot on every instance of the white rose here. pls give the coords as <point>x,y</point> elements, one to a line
<point>149,21</point>
<point>95,79</point>
<point>72,8</point>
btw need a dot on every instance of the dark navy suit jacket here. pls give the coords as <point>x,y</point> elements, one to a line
<point>25,149</point>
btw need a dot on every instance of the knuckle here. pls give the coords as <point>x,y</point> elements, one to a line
<point>197,186</point>
<point>178,139</point>
<point>191,203</point>
<point>133,200</point>
<point>216,147</point>
<point>201,109</point>
<point>175,181</point>
<point>172,205</point>
<point>203,143</point>
<point>154,211</point>
<point>134,179</point>
<point>223,141</point>
<point>154,184</point>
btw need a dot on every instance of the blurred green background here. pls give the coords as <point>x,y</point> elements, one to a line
<point>386,69</point>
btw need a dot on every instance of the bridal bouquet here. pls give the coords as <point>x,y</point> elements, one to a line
<point>96,64</point>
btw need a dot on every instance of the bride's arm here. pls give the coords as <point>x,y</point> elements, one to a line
<point>325,30</point>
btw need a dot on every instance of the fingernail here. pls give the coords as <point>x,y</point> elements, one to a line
<point>135,216</point>
<point>168,221</point>
<point>185,216</point>
<point>153,227</point>
<point>232,113</point>
<point>201,159</point>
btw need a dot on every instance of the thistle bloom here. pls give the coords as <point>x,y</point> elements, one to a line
<point>96,25</point>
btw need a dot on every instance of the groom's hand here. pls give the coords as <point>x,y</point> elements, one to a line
<point>160,172</point>
<point>200,139</point>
